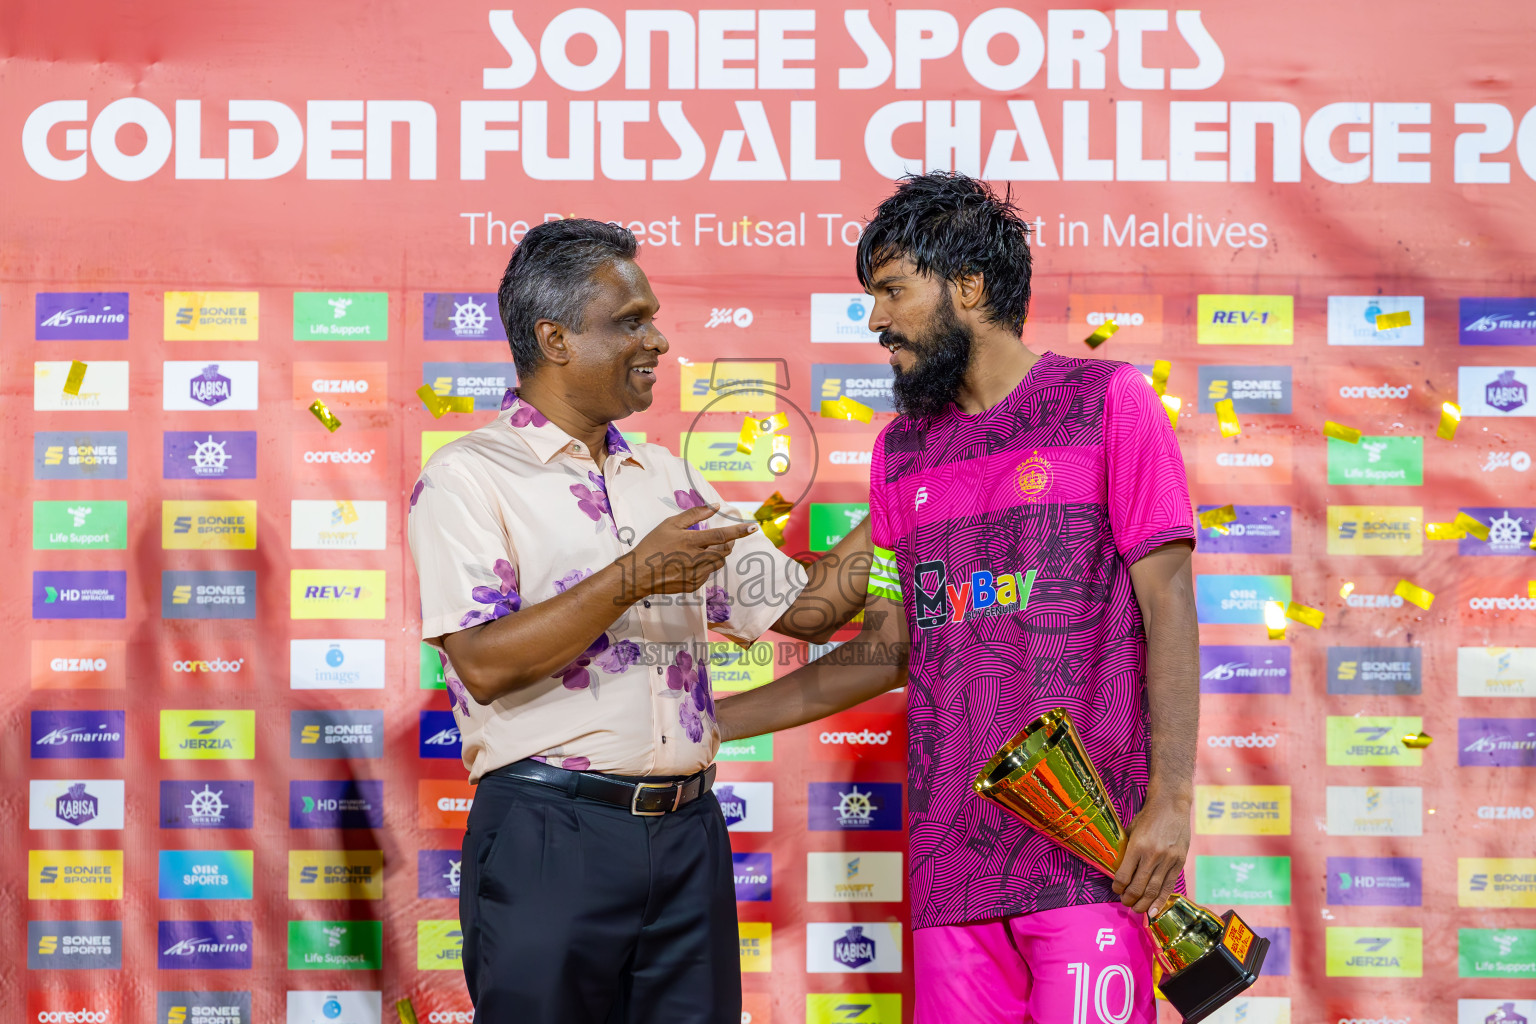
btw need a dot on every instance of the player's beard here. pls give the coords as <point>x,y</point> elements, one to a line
<point>941,358</point>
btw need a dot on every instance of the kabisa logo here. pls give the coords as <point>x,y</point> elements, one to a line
<point>841,317</point>
<point>80,455</point>
<point>732,806</point>
<point>357,803</point>
<point>76,807</point>
<point>210,387</point>
<point>210,455</point>
<point>81,316</point>
<point>439,735</point>
<point>205,945</point>
<point>854,949</point>
<point>461,316</point>
<point>1497,321</point>
<point>222,803</point>
<point>212,316</point>
<point>754,876</point>
<point>729,316</point>
<point>1244,669</point>
<point>438,873</point>
<point>940,602</point>
<point>854,807</point>
<point>1506,393</point>
<point>73,734</point>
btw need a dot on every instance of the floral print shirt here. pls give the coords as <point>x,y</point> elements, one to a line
<point>517,512</point>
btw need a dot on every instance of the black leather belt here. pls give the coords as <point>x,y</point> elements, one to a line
<point>639,796</point>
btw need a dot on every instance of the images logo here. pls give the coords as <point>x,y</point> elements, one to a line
<point>340,316</point>
<point>74,945</point>
<point>74,874</point>
<point>1139,317</point>
<point>210,455</point>
<point>66,735</point>
<point>439,946</point>
<point>461,316</point>
<point>1494,671</point>
<point>75,804</point>
<point>1493,742</point>
<point>207,735</point>
<point>869,383</point>
<point>79,525</point>
<point>1497,321</point>
<point>89,594</point>
<point>335,874</point>
<point>754,876</point>
<point>82,316</point>
<point>335,945</point>
<point>330,734</point>
<point>1375,881</point>
<point>855,806</point>
<point>336,664</point>
<point>1360,740</point>
<point>105,387</point>
<point>1352,320</point>
<point>1375,530</point>
<point>1243,810</point>
<point>207,594</point>
<point>212,316</point>
<point>206,874</point>
<point>1375,811</point>
<point>1244,669</point>
<point>1383,671</point>
<point>438,873</point>
<point>197,386</point>
<point>1253,390</point>
<point>486,383</point>
<point>1258,530</point>
<point>80,455</point>
<point>1244,320</point>
<point>1495,390</point>
<point>356,386</point>
<point>208,525</point>
<point>1375,952</point>
<point>845,948</point>
<point>336,593</point>
<point>220,803</point>
<point>841,317</point>
<point>1253,881</point>
<point>355,803</point>
<point>1238,599</point>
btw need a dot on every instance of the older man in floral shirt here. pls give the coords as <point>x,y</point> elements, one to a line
<point>568,578</point>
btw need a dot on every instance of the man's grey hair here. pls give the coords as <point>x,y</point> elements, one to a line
<point>549,277</point>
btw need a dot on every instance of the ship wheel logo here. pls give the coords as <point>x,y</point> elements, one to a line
<point>206,805</point>
<point>209,456</point>
<point>469,317</point>
<point>855,806</point>
<point>1505,532</point>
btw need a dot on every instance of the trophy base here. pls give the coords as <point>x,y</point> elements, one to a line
<point>1206,985</point>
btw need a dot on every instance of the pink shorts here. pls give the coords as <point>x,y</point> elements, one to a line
<point>1089,964</point>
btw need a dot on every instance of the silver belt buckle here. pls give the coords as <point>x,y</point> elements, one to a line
<point>634,801</point>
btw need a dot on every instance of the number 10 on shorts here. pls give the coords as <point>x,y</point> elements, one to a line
<point>1104,992</point>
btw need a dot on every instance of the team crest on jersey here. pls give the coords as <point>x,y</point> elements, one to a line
<point>1033,477</point>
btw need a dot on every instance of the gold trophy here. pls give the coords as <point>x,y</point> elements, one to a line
<point>1043,775</point>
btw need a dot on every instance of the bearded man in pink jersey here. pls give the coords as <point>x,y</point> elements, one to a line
<point>1031,530</point>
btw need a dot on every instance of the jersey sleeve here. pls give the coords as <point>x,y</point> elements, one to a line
<point>1149,501</point>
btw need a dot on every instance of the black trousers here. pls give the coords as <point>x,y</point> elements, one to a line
<point>578,912</point>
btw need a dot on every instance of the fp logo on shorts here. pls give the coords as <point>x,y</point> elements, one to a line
<point>1106,937</point>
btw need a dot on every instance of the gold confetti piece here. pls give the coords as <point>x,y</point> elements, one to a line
<point>1450,418</point>
<point>1387,321</point>
<point>750,432</point>
<point>1473,526</point>
<point>1304,614</point>
<point>406,1010</point>
<point>431,400</point>
<point>324,415</point>
<point>845,408</point>
<point>1414,594</point>
<point>1418,740</point>
<point>75,379</point>
<point>1101,334</point>
<point>1274,620</point>
<point>459,403</point>
<point>1444,531</point>
<point>773,508</point>
<point>1530,588</point>
<point>1213,518</point>
<point>1172,403</point>
<point>1160,370</point>
<point>778,459</point>
<point>1339,432</point>
<point>1227,416</point>
<point>1347,589</point>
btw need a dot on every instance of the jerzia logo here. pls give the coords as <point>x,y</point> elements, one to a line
<point>940,601</point>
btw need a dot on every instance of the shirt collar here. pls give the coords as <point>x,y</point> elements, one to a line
<point>545,438</point>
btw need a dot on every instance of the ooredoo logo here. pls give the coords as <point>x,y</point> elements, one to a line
<point>217,665</point>
<point>860,736</point>
<point>346,454</point>
<point>346,457</point>
<point>1252,741</point>
<point>98,1007</point>
<point>213,663</point>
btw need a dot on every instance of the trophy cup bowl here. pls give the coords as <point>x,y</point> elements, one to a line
<point>1043,775</point>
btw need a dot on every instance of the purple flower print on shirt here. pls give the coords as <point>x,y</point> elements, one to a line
<point>575,676</point>
<point>523,414</point>
<point>508,399</point>
<point>421,485</point>
<point>458,694</point>
<point>619,657</point>
<point>717,604</point>
<point>570,579</point>
<point>592,500</point>
<point>576,764</point>
<point>693,682</point>
<point>502,601</point>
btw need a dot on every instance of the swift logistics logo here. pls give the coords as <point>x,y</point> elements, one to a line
<point>1250,881</point>
<point>207,803</point>
<point>336,593</point>
<point>853,877</point>
<point>1238,668</point>
<point>77,735</point>
<point>753,873</point>
<point>1138,317</point>
<point>1377,671</point>
<point>1496,953</point>
<point>854,806</point>
<point>335,945</point>
<point>438,873</point>
<point>439,946</point>
<point>1238,600</point>
<point>841,317</point>
<point>872,384</point>
<point>208,525</point>
<point>1258,530</point>
<point>207,594</point>
<point>198,386</point>
<point>1253,390</point>
<point>340,804</point>
<point>1485,321</point>
<point>80,594</point>
<point>205,945</point>
<point>74,874</point>
<point>1494,671</point>
<point>1375,811</point>
<point>207,874</point>
<point>486,383</point>
<point>1501,391</point>
<point>212,316</point>
<point>1358,740</point>
<point>81,316</point>
<point>335,874</point>
<point>461,316</point>
<point>341,664</point>
<point>340,316</point>
<point>79,526</point>
<point>74,945</point>
<point>80,455</point>
<point>203,1008</point>
<point>1375,882</point>
<point>438,735</point>
<point>982,594</point>
<point>75,804</point>
<point>1352,320</point>
<point>1375,530</point>
<point>1243,810</point>
<point>207,735</point>
<point>337,524</point>
<point>105,388</point>
<point>866,947</point>
<point>1244,320</point>
<point>1375,952</point>
<point>1495,742</point>
<point>82,664</point>
<point>333,734</point>
<point>209,455</point>
<point>1377,461</point>
<point>1509,532</point>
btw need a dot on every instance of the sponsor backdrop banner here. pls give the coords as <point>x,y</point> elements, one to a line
<point>243,800</point>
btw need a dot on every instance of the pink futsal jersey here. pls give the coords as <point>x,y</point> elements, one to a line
<point>1013,533</point>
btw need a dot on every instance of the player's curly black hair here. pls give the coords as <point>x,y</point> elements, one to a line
<point>950,225</point>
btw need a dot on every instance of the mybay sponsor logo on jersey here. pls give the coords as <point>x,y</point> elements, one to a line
<point>439,945</point>
<point>1253,881</point>
<point>81,316</point>
<point>74,874</point>
<point>335,945</point>
<point>1375,530</point>
<point>341,664</point>
<point>1251,389</point>
<point>438,874</point>
<point>207,735</point>
<point>445,803</point>
<point>1352,320</point>
<point>747,806</point>
<point>1243,810</point>
<point>1377,461</point>
<point>208,525</point>
<point>841,317</point>
<point>854,806</point>
<point>340,316</point>
<point>74,945</point>
<point>76,734</point>
<point>212,316</point>
<point>1496,742</point>
<point>1381,671</point>
<point>753,873</point>
<point>343,804</point>
<point>1247,459</point>
<point>486,383</point>
<point>1258,530</point>
<point>1496,953</point>
<point>207,803</point>
<point>1375,811</point>
<point>860,736</point>
<point>197,385</point>
<point>461,316</point>
<point>1496,671</point>
<point>869,383</point>
<point>355,386</point>
<point>335,1007</point>
<point>1374,952</point>
<point>438,735</point>
<point>207,594</point>
<point>854,877</point>
<point>336,734</point>
<point>1238,599</point>
<point>1375,881</point>
<point>335,874</point>
<point>1509,531</point>
<point>1372,740</point>
<point>79,525</point>
<point>1243,320</point>
<point>205,945</point>
<point>1493,321</point>
<point>80,455</point>
<point>207,874</point>
<point>1495,391</point>
<point>203,1008</point>
<point>1139,318</point>
<point>75,805</point>
<point>1238,668</point>
<point>713,453</point>
<point>1496,882</point>
<point>866,947</point>
<point>337,524</point>
<point>104,389</point>
<point>336,593</point>
<point>210,455</point>
<point>942,600</point>
<point>82,664</point>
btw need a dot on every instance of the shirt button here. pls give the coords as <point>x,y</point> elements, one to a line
<point>658,670</point>
<point>646,603</point>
